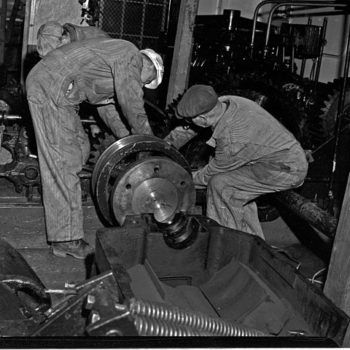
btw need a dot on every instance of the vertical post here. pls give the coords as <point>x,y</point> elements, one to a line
<point>11,23</point>
<point>180,66</point>
<point>319,58</point>
<point>25,39</point>
<point>3,15</point>
<point>303,62</point>
<point>337,285</point>
<point>338,120</point>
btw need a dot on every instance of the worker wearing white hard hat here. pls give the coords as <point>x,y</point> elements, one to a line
<point>159,66</point>
<point>98,71</point>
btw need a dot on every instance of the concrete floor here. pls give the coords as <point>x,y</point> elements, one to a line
<point>22,225</point>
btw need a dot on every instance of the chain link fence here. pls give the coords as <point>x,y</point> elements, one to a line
<point>140,21</point>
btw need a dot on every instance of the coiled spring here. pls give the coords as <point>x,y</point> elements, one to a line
<point>172,316</point>
<point>152,327</point>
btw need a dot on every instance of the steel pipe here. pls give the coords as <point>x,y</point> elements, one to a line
<point>256,13</point>
<point>293,3</point>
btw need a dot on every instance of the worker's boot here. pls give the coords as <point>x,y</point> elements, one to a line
<point>79,249</point>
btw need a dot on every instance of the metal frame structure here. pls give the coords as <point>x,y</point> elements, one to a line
<point>307,5</point>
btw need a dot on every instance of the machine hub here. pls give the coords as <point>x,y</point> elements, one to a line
<point>156,185</point>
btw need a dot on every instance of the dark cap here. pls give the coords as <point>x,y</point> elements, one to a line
<point>198,99</point>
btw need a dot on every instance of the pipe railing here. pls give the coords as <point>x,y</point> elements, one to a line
<point>275,7</point>
<point>283,3</point>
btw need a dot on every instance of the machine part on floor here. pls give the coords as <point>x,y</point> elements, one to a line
<point>94,300</point>
<point>239,287</point>
<point>167,170</point>
<point>99,310</point>
<point>200,322</point>
<point>180,232</point>
<point>29,286</point>
<point>224,273</point>
<point>23,301</point>
<point>151,319</point>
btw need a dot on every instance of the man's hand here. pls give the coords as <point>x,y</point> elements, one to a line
<point>95,130</point>
<point>308,155</point>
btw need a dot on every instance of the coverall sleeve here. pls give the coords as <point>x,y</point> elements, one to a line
<point>128,89</point>
<point>228,157</point>
<point>111,117</point>
<point>180,136</point>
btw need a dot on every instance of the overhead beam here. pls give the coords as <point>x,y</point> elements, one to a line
<point>180,66</point>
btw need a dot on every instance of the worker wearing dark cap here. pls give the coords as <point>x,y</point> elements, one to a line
<point>254,155</point>
<point>98,71</point>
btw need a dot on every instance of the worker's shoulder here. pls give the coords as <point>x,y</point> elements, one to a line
<point>244,104</point>
<point>100,44</point>
<point>108,43</point>
<point>237,99</point>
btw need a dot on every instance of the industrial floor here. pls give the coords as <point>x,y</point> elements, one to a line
<point>22,225</point>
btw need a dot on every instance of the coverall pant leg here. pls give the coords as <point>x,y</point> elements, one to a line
<point>63,148</point>
<point>231,195</point>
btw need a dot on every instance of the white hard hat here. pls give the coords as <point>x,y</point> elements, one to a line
<point>158,63</point>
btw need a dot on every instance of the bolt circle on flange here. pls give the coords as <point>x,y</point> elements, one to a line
<point>114,164</point>
<point>156,185</point>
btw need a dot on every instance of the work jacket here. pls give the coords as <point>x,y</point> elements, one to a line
<point>78,33</point>
<point>97,71</point>
<point>247,134</point>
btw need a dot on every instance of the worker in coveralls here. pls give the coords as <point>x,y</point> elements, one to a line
<point>254,155</point>
<point>99,71</point>
<point>52,35</point>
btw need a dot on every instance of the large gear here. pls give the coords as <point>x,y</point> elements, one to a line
<point>327,152</point>
<point>330,110</point>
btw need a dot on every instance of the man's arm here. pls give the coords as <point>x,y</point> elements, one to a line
<point>228,157</point>
<point>179,136</point>
<point>111,117</point>
<point>128,89</point>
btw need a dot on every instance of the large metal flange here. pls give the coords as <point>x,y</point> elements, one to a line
<point>116,159</point>
<point>157,185</point>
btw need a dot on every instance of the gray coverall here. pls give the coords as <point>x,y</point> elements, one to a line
<point>93,71</point>
<point>79,33</point>
<point>254,155</point>
<point>108,112</point>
